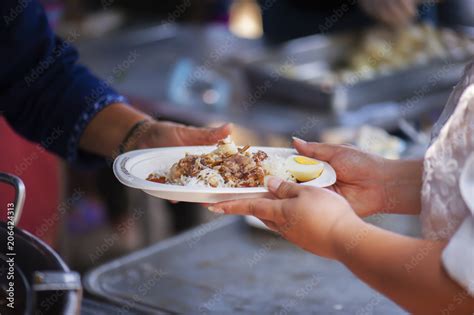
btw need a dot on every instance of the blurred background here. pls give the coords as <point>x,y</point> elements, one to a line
<point>276,69</point>
<point>319,70</point>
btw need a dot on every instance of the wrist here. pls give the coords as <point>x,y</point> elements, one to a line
<point>402,186</point>
<point>107,130</point>
<point>136,135</point>
<point>392,169</point>
<point>347,232</point>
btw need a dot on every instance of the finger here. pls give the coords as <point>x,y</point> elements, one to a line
<point>348,145</point>
<point>199,136</point>
<point>384,14</point>
<point>332,188</point>
<point>395,13</point>
<point>264,209</point>
<point>272,226</point>
<point>376,8</point>
<point>320,151</point>
<point>283,189</point>
<point>409,7</point>
<point>398,14</point>
<point>381,11</point>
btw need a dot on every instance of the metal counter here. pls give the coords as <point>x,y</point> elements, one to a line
<point>227,267</point>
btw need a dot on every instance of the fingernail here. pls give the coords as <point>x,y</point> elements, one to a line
<point>215,210</point>
<point>301,141</point>
<point>274,183</point>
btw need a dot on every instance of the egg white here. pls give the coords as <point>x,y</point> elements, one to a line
<point>304,172</point>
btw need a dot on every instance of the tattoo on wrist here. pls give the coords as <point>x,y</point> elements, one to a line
<point>133,134</point>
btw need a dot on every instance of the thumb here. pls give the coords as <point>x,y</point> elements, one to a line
<point>200,136</point>
<point>320,151</point>
<point>282,189</point>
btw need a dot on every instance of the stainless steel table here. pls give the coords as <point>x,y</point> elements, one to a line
<point>228,267</point>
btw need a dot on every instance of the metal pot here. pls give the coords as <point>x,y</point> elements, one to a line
<point>33,277</point>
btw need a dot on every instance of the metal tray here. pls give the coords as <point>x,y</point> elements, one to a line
<point>314,55</point>
<point>228,267</point>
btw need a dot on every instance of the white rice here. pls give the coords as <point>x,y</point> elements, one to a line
<point>274,166</point>
<point>208,177</point>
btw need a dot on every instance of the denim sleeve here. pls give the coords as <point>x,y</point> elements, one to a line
<point>45,95</point>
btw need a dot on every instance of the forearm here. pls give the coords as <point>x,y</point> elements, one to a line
<point>407,270</point>
<point>108,129</point>
<point>402,186</point>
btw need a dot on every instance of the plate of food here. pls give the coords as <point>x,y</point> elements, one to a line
<point>209,174</point>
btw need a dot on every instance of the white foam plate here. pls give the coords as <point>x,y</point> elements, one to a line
<point>255,222</point>
<point>132,169</point>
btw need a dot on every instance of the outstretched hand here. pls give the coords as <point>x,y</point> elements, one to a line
<point>316,219</point>
<point>169,134</point>
<point>361,177</point>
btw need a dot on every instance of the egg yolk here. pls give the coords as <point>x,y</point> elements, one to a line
<point>305,160</point>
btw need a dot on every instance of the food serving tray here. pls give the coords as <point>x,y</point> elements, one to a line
<point>310,58</point>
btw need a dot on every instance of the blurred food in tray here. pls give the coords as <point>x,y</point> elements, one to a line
<point>349,70</point>
<point>385,50</point>
<point>380,50</point>
<point>370,139</point>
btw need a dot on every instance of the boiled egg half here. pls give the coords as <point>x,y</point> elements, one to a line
<point>304,168</point>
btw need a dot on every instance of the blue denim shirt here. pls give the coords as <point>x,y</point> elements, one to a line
<point>45,95</point>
